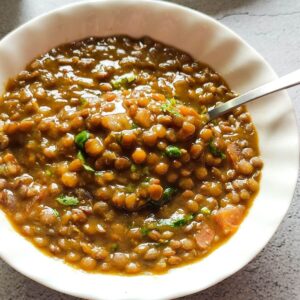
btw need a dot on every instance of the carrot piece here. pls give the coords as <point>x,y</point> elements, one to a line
<point>204,236</point>
<point>229,218</point>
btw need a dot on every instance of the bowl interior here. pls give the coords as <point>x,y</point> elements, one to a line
<point>207,41</point>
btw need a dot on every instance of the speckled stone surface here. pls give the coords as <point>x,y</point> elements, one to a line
<point>272,27</point>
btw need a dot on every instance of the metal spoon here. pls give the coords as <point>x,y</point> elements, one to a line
<point>281,83</point>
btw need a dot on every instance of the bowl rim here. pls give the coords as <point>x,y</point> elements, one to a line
<point>182,292</point>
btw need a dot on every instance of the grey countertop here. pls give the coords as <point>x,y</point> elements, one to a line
<point>272,27</point>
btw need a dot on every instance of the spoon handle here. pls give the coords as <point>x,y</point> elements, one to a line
<point>278,84</point>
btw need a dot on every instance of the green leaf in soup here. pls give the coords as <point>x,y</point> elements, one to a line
<point>133,168</point>
<point>182,221</point>
<point>55,212</point>
<point>88,168</point>
<point>147,179</point>
<point>123,80</point>
<point>170,107</point>
<point>114,247</point>
<point>145,170</point>
<point>179,223</point>
<point>214,122</point>
<point>205,211</point>
<point>168,193</point>
<point>81,138</point>
<point>67,200</point>
<point>80,156</point>
<point>145,231</point>
<point>134,126</point>
<point>215,151</point>
<point>172,222</point>
<point>48,172</point>
<point>130,188</point>
<point>166,197</point>
<point>173,151</point>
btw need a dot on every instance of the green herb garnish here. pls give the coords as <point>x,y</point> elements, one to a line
<point>81,138</point>
<point>205,210</point>
<point>146,171</point>
<point>80,156</point>
<point>214,122</point>
<point>67,200</point>
<point>118,136</point>
<point>145,231</point>
<point>170,107</point>
<point>114,247</point>
<point>123,80</point>
<point>88,168</point>
<point>172,222</point>
<point>203,110</point>
<point>130,188</point>
<point>83,101</point>
<point>55,212</point>
<point>134,126</point>
<point>173,151</point>
<point>48,172</point>
<point>3,169</point>
<point>133,168</point>
<point>168,193</point>
<point>215,151</point>
<point>183,221</point>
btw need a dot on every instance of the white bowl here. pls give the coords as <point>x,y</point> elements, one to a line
<point>243,68</point>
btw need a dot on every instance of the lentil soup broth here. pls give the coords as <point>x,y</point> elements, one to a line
<point>106,161</point>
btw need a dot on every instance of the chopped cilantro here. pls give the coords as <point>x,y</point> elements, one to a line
<point>133,168</point>
<point>172,222</point>
<point>134,126</point>
<point>203,110</point>
<point>88,168</point>
<point>118,136</point>
<point>48,172</point>
<point>215,151</point>
<point>147,179</point>
<point>3,169</point>
<point>83,101</point>
<point>81,138</point>
<point>146,171</point>
<point>55,212</point>
<point>205,210</point>
<point>173,151</point>
<point>168,193</point>
<point>67,200</point>
<point>214,122</point>
<point>114,247</point>
<point>99,173</point>
<point>130,188</point>
<point>170,107</point>
<point>80,156</point>
<point>183,221</point>
<point>145,231</point>
<point>123,80</point>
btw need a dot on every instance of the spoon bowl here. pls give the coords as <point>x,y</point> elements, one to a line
<point>278,84</point>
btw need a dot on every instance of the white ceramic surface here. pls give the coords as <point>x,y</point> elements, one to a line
<point>242,67</point>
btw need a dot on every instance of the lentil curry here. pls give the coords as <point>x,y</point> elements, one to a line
<point>106,161</point>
